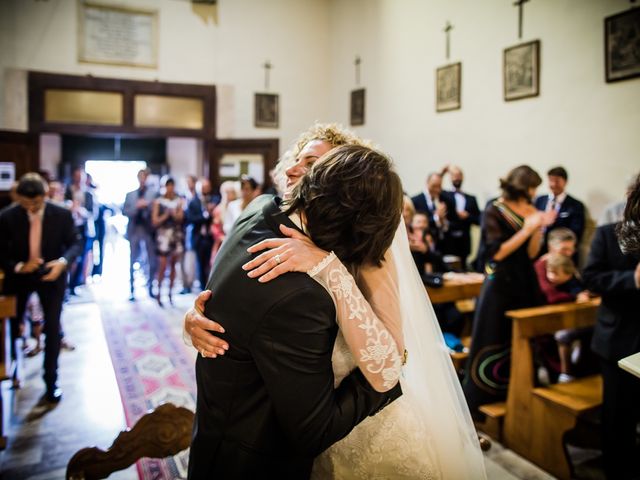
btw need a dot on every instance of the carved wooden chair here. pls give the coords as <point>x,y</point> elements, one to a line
<point>161,433</point>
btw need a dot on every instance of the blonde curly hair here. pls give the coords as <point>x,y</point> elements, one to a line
<point>331,133</point>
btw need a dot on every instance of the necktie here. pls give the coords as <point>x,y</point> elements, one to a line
<point>35,236</point>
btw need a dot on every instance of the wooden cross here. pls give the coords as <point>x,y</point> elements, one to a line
<point>520,4</point>
<point>448,27</point>
<point>267,68</point>
<point>357,63</point>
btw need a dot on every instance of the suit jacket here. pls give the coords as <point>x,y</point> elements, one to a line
<point>60,237</point>
<point>570,215</point>
<point>610,273</point>
<point>268,406</point>
<point>198,225</point>
<point>458,237</point>
<point>130,211</point>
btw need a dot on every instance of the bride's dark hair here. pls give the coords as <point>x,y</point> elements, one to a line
<point>351,201</point>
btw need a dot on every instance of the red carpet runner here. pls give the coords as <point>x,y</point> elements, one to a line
<point>152,367</point>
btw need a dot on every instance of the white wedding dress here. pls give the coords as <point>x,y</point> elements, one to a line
<point>427,433</point>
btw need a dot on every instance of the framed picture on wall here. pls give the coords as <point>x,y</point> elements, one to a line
<point>521,71</point>
<point>448,87</point>
<point>622,45</point>
<point>266,114</point>
<point>357,107</point>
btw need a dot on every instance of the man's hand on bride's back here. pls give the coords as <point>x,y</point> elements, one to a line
<point>297,253</point>
<point>199,328</point>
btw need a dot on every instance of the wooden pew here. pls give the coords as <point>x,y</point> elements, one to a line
<point>536,419</point>
<point>7,310</point>
<point>459,286</point>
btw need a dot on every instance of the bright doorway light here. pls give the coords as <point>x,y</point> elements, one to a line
<point>114,178</point>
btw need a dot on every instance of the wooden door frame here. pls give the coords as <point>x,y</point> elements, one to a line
<point>267,147</point>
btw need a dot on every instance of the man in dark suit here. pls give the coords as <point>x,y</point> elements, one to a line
<point>458,237</point>
<point>268,406</point>
<point>569,211</point>
<point>438,205</point>
<point>38,240</point>
<point>198,216</point>
<point>616,277</point>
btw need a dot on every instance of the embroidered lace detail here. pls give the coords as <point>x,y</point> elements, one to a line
<point>320,266</point>
<point>391,444</point>
<point>379,354</point>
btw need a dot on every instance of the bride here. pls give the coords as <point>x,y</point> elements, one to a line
<point>427,433</point>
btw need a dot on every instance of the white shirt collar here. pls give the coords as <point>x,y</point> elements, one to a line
<point>559,199</point>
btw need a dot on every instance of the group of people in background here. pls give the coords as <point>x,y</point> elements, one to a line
<point>528,251</point>
<point>166,229</point>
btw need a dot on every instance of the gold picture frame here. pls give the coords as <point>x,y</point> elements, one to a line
<point>521,71</point>
<point>357,107</point>
<point>105,35</point>
<point>448,84</point>
<point>621,39</point>
<point>266,110</point>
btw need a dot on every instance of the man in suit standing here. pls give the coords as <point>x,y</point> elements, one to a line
<point>137,208</point>
<point>268,406</point>
<point>438,205</point>
<point>616,277</point>
<point>37,243</point>
<point>569,211</point>
<point>198,215</point>
<point>467,213</point>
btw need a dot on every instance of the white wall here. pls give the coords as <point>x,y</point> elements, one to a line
<point>224,45</point>
<point>579,121</point>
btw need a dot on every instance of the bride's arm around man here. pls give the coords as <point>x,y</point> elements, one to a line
<point>268,406</point>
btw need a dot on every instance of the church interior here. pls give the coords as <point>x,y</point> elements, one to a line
<point>129,109</point>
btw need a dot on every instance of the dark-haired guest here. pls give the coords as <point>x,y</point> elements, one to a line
<point>511,237</point>
<point>38,241</point>
<point>167,215</point>
<point>568,210</point>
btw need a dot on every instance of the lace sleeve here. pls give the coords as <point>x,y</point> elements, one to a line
<point>372,344</point>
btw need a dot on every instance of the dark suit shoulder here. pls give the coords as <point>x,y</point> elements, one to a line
<point>9,210</point>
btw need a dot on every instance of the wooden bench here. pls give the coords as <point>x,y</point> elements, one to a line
<point>164,432</point>
<point>537,418</point>
<point>7,309</point>
<point>460,286</point>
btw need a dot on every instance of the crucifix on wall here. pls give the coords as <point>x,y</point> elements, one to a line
<point>520,5</point>
<point>266,105</point>
<point>356,107</point>
<point>447,29</point>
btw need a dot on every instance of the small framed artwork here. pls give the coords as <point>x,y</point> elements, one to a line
<point>448,87</point>
<point>521,71</point>
<point>266,110</point>
<point>622,45</point>
<point>357,107</point>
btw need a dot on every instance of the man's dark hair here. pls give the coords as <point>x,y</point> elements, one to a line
<point>629,229</point>
<point>558,172</point>
<point>351,201</point>
<point>31,185</point>
<point>518,182</point>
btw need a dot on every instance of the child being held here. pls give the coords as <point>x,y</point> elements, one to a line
<point>558,281</point>
<point>557,276</point>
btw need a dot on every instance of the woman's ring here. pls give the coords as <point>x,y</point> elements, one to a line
<point>277,259</point>
<point>202,352</point>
